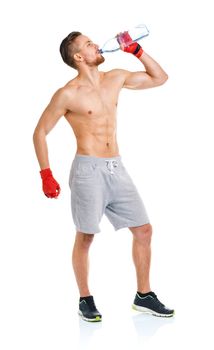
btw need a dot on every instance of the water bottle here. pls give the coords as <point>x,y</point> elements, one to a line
<point>136,33</point>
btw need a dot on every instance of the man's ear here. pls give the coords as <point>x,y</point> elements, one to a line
<point>78,57</point>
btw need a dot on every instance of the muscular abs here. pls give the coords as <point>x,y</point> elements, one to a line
<point>95,135</point>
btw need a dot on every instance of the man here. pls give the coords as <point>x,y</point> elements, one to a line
<point>99,181</point>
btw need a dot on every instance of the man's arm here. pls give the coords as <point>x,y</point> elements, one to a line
<point>52,113</point>
<point>153,76</point>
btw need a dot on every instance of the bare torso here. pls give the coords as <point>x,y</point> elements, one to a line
<point>92,115</point>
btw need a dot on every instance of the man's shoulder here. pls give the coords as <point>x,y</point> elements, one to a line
<point>70,85</point>
<point>64,93</point>
<point>117,76</point>
<point>68,89</point>
<point>117,72</point>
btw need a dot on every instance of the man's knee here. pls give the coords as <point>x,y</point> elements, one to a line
<point>143,233</point>
<point>84,239</point>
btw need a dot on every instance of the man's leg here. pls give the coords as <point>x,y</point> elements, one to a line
<point>141,252</point>
<point>145,299</point>
<point>80,261</point>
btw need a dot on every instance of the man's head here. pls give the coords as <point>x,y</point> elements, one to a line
<point>77,49</point>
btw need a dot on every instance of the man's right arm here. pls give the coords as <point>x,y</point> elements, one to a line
<point>52,113</point>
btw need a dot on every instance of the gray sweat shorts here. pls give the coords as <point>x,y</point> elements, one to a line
<point>103,186</point>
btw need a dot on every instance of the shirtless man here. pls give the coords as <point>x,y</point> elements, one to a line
<point>99,181</point>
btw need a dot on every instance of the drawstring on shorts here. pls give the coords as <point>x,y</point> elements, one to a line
<point>111,164</point>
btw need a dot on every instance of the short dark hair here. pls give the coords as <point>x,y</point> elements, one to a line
<point>67,49</point>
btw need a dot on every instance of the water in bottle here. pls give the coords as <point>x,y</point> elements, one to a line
<point>125,38</point>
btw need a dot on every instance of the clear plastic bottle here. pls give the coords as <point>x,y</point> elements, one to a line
<point>136,33</point>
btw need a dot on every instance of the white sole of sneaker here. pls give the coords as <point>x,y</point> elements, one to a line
<point>149,311</point>
<point>96,319</point>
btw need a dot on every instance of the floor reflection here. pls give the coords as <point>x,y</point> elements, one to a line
<point>87,330</point>
<point>147,325</point>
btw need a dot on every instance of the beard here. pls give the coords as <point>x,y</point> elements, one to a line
<point>99,60</point>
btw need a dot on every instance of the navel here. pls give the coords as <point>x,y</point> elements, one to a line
<point>89,112</point>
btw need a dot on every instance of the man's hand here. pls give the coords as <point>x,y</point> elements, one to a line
<point>50,186</point>
<point>132,47</point>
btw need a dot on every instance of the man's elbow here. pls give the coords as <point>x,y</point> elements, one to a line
<point>165,78</point>
<point>38,134</point>
<point>161,80</point>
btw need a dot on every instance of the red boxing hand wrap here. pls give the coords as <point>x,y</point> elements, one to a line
<point>135,49</point>
<point>128,45</point>
<point>50,187</point>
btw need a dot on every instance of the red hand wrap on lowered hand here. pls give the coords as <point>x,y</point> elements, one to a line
<point>50,187</point>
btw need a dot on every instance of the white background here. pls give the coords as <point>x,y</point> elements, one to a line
<point>165,137</point>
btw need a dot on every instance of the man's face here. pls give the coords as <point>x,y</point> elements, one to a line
<point>89,51</point>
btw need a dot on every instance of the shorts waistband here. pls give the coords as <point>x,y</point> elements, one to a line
<point>97,160</point>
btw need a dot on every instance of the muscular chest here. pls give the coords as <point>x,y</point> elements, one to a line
<point>94,103</point>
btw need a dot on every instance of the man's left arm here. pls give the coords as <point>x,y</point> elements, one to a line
<point>153,75</point>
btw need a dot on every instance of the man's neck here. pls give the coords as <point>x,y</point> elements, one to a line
<point>89,76</point>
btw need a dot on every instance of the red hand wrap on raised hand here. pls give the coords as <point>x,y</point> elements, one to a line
<point>132,47</point>
<point>135,49</point>
<point>50,187</point>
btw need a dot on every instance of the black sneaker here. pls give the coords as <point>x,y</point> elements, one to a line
<point>88,310</point>
<point>151,304</point>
